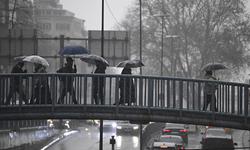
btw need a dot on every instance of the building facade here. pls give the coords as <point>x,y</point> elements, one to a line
<point>53,20</point>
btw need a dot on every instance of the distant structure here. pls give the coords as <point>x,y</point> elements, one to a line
<point>52,19</point>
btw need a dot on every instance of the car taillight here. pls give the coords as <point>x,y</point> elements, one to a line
<point>166,130</point>
<point>207,127</point>
<point>179,148</point>
<point>183,130</point>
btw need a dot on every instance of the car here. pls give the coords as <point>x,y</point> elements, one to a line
<point>126,127</point>
<point>176,129</point>
<point>163,145</point>
<point>173,138</point>
<point>108,125</point>
<point>220,141</point>
<point>213,131</point>
<point>92,122</point>
<point>225,128</point>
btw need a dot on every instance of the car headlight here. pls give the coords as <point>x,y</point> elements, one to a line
<point>135,128</point>
<point>114,125</point>
<point>119,127</point>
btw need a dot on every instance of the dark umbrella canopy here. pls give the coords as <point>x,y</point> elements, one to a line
<point>73,50</point>
<point>130,64</point>
<point>92,59</point>
<point>213,66</point>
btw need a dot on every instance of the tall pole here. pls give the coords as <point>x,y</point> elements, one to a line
<point>171,73</point>
<point>140,67</point>
<point>162,33</point>
<point>162,19</point>
<point>102,55</point>
<point>140,39</point>
<point>102,42</point>
<point>172,51</point>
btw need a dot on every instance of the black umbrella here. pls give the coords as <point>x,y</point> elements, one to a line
<point>213,66</point>
<point>73,50</point>
<point>130,64</point>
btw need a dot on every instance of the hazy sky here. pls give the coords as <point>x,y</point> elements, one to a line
<point>90,11</point>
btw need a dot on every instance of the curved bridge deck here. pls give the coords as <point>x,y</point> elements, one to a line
<point>158,99</point>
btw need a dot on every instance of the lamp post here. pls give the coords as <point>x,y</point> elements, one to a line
<point>162,27</point>
<point>172,47</point>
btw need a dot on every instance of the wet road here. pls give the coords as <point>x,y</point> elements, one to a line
<point>88,138</point>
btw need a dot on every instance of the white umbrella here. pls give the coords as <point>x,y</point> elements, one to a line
<point>36,59</point>
<point>19,58</point>
<point>91,59</point>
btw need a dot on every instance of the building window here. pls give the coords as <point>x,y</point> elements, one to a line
<point>3,16</point>
<point>59,12</point>
<point>54,12</point>
<point>61,26</point>
<point>48,12</point>
<point>45,26</point>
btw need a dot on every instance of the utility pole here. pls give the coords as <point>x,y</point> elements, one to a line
<point>162,34</point>
<point>172,49</point>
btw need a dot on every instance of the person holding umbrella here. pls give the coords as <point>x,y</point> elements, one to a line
<point>42,93</point>
<point>67,81</point>
<point>98,82</point>
<point>208,89</point>
<point>209,92</point>
<point>126,85</point>
<point>14,84</point>
<point>127,88</point>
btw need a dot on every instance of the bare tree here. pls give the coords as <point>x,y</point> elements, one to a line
<point>208,30</point>
<point>18,14</point>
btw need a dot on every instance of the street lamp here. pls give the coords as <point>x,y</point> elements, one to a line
<point>162,25</point>
<point>172,46</point>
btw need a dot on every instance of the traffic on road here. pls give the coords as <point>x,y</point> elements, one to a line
<point>126,135</point>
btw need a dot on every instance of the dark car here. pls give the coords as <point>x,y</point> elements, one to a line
<point>213,131</point>
<point>225,128</point>
<point>174,139</point>
<point>176,129</point>
<point>126,127</point>
<point>218,141</point>
<point>163,145</point>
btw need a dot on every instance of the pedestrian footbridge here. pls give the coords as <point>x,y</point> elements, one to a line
<point>157,99</point>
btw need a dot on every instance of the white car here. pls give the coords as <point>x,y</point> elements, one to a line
<point>126,127</point>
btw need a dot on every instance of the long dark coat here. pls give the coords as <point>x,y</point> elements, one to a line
<point>127,89</point>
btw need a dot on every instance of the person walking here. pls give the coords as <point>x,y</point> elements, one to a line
<point>67,81</point>
<point>15,86</point>
<point>209,91</point>
<point>41,93</point>
<point>98,83</point>
<point>127,89</point>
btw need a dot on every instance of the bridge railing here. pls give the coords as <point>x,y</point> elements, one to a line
<point>147,91</point>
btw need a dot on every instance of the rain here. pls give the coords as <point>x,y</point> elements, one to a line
<point>159,38</point>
